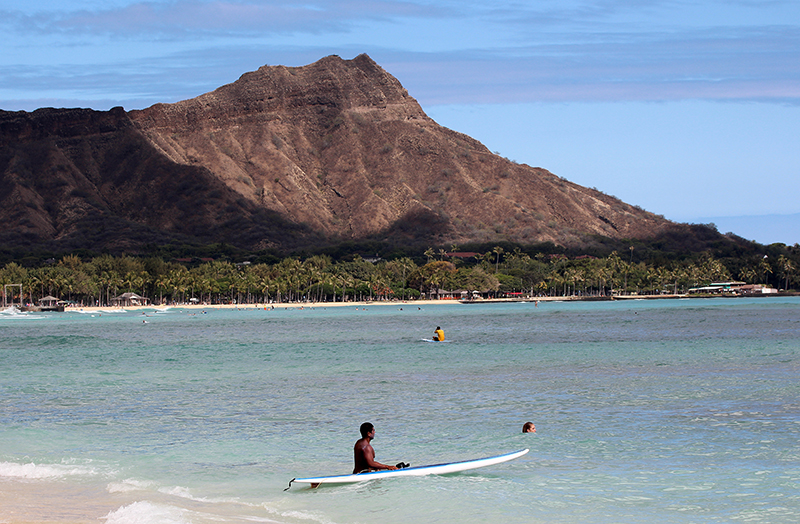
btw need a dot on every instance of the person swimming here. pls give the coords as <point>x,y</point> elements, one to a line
<point>438,335</point>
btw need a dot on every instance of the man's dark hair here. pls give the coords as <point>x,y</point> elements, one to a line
<point>366,427</point>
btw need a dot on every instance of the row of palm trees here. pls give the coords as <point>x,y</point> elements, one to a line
<point>319,279</point>
<point>558,275</point>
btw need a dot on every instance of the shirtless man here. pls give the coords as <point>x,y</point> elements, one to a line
<point>364,454</point>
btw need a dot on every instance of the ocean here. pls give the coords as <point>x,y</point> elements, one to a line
<point>664,411</point>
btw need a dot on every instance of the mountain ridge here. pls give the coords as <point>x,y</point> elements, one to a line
<point>284,157</point>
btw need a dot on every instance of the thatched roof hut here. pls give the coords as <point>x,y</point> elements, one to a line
<point>49,301</point>
<point>130,299</point>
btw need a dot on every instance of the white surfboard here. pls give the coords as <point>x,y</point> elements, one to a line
<point>435,469</point>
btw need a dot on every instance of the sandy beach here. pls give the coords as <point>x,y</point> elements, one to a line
<point>367,303</point>
<point>275,305</point>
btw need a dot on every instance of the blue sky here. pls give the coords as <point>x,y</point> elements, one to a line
<point>689,109</point>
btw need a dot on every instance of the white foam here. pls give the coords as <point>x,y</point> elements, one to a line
<point>11,310</point>
<point>148,513</point>
<point>305,515</point>
<point>185,493</point>
<point>128,485</point>
<point>15,312</point>
<point>21,316</point>
<point>97,311</point>
<point>179,491</point>
<point>43,471</point>
<point>131,485</point>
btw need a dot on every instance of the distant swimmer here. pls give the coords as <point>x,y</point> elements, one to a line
<point>438,335</point>
<point>528,427</point>
<point>363,452</point>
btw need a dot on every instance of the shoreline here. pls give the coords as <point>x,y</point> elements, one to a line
<point>418,303</point>
<point>356,304</point>
<point>259,305</point>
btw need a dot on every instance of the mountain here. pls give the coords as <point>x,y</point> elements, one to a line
<point>284,158</point>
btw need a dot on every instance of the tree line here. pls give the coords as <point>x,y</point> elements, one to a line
<point>318,278</point>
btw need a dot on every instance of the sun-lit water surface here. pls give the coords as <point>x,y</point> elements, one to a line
<point>666,411</point>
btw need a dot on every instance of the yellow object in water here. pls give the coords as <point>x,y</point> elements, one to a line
<point>438,334</point>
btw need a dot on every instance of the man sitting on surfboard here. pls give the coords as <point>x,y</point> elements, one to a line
<point>363,452</point>
<point>438,335</point>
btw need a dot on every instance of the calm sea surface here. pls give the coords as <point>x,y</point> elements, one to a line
<point>674,411</point>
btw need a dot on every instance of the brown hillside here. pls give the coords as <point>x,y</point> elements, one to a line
<point>339,145</point>
<point>283,157</point>
<point>78,178</point>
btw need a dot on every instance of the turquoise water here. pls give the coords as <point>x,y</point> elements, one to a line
<point>675,411</point>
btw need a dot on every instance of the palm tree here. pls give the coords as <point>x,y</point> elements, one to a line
<point>262,284</point>
<point>314,276</point>
<point>71,262</point>
<point>498,251</point>
<point>374,282</point>
<point>765,267</point>
<point>787,267</point>
<point>32,280</point>
<point>346,279</point>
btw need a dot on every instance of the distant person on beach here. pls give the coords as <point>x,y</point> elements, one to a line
<point>364,454</point>
<point>438,334</point>
<point>528,427</point>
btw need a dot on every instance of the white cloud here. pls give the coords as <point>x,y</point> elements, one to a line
<point>217,17</point>
<point>443,51</point>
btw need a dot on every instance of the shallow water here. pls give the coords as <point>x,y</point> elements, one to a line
<point>666,411</point>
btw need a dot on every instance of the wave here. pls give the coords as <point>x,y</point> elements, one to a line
<point>128,485</point>
<point>144,511</point>
<point>34,471</point>
<point>97,311</point>
<point>180,492</point>
<point>20,316</point>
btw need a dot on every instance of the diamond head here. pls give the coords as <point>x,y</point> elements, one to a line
<point>285,158</point>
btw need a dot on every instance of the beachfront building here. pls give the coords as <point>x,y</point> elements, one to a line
<point>458,294</point>
<point>733,288</point>
<point>756,289</point>
<point>129,299</point>
<point>440,294</point>
<point>48,301</point>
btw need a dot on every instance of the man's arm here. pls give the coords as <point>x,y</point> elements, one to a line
<point>374,464</point>
<point>368,454</point>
